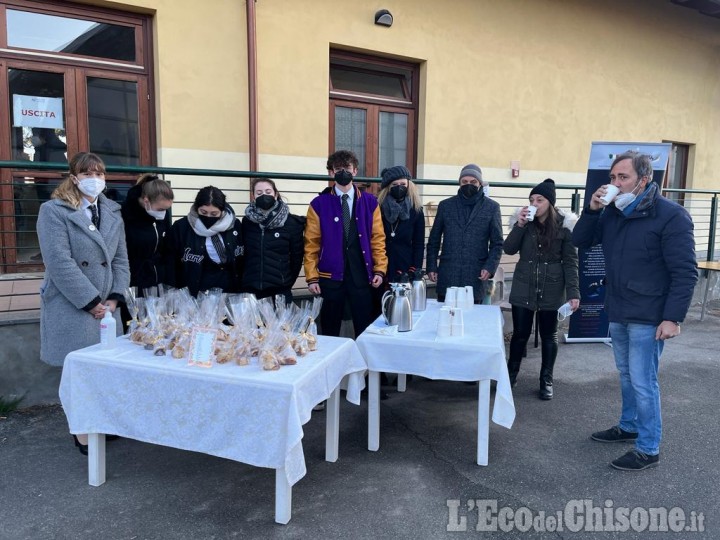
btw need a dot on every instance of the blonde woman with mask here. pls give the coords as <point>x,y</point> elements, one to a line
<point>82,241</point>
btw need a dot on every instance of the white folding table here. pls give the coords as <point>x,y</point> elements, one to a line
<point>237,412</point>
<point>479,355</point>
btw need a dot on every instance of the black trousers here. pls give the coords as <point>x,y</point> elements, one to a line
<point>335,294</point>
<point>522,326</point>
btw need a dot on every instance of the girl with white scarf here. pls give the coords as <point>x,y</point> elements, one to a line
<point>205,248</point>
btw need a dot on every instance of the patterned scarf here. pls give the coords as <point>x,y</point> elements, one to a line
<point>272,219</point>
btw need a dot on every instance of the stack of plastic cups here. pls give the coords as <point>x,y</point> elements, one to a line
<point>458,327</point>
<point>444,328</point>
<point>469,294</point>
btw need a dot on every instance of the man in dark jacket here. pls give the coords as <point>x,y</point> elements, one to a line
<point>470,228</point>
<point>651,272</point>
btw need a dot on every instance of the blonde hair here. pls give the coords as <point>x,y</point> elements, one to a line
<point>81,162</point>
<point>412,194</point>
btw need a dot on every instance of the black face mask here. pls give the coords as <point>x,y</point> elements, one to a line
<point>208,221</point>
<point>398,192</point>
<point>343,178</point>
<point>265,202</point>
<point>469,190</point>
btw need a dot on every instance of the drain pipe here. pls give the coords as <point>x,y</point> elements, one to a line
<point>252,84</point>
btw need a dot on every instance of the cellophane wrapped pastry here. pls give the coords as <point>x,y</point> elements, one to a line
<point>309,330</point>
<point>268,331</point>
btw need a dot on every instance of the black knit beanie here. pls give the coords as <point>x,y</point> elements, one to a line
<point>546,189</point>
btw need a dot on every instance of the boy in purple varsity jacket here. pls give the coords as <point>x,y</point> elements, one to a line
<point>344,248</point>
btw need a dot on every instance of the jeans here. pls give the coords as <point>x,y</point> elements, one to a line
<point>637,355</point>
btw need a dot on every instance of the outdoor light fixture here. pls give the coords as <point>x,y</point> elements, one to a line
<point>384,18</point>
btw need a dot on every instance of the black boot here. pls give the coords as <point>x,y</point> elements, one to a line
<point>517,346</point>
<point>549,353</point>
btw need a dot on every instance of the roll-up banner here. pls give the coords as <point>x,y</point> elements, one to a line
<point>589,323</point>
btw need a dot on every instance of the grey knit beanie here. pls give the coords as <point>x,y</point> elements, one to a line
<point>471,170</point>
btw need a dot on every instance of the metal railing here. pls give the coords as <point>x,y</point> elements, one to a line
<point>20,258</point>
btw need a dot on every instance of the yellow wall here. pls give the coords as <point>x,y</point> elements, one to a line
<point>200,60</point>
<point>533,80</point>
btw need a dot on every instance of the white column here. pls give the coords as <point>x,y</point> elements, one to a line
<point>374,411</point>
<point>332,426</point>
<point>402,382</point>
<point>96,459</point>
<point>483,421</point>
<point>283,497</point>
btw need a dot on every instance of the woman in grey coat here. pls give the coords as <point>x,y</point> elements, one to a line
<point>545,276</point>
<point>82,240</point>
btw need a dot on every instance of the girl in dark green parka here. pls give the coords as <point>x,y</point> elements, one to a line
<point>545,277</point>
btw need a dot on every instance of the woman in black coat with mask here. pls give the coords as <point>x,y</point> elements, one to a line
<point>403,221</point>
<point>146,214</point>
<point>273,243</point>
<point>205,248</point>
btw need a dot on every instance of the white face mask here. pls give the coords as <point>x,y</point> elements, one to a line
<point>624,200</point>
<point>92,187</point>
<point>157,214</point>
<point>564,311</point>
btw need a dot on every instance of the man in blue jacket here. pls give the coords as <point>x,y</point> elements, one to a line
<point>651,272</point>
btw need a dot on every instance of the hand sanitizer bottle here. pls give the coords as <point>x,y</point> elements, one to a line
<point>108,330</point>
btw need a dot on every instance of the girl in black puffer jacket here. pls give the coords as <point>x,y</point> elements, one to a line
<point>146,214</point>
<point>273,243</point>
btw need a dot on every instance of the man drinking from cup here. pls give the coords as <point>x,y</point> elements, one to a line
<point>651,272</point>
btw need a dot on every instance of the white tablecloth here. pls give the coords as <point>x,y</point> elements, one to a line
<point>237,412</point>
<point>478,355</point>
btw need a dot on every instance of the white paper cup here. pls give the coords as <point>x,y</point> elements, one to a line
<point>445,317</point>
<point>531,212</point>
<point>451,296</point>
<point>470,296</point>
<point>612,192</point>
<point>444,330</point>
<point>461,297</point>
